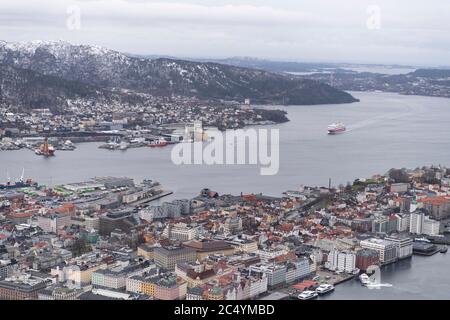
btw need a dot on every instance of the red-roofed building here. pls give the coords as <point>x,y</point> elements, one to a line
<point>437,207</point>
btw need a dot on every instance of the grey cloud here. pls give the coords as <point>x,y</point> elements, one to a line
<point>411,31</point>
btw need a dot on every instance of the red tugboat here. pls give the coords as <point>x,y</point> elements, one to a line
<point>158,143</point>
<point>45,149</point>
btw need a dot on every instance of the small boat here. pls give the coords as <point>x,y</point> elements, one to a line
<point>423,240</point>
<point>158,143</point>
<point>307,295</point>
<point>67,146</point>
<point>336,128</point>
<point>364,278</point>
<point>444,249</point>
<point>123,146</point>
<point>324,289</point>
<point>356,271</point>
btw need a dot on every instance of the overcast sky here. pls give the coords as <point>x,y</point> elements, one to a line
<point>413,32</point>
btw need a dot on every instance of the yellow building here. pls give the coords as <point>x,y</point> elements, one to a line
<point>148,288</point>
<point>145,251</point>
<point>206,248</point>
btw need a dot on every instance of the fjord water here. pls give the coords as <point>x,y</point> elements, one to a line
<point>384,130</point>
<point>418,278</point>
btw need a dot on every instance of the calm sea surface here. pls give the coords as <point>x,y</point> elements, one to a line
<point>384,131</point>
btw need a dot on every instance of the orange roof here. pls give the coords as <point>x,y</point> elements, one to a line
<point>67,207</point>
<point>435,200</point>
<point>305,285</point>
<point>21,214</point>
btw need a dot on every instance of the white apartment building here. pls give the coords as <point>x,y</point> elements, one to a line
<point>404,245</point>
<point>342,261</point>
<point>421,224</point>
<point>181,231</point>
<point>416,222</point>
<point>297,270</point>
<point>403,221</point>
<point>271,254</point>
<point>430,227</point>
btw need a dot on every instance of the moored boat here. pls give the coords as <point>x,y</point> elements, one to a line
<point>307,295</point>
<point>158,143</point>
<point>21,183</point>
<point>324,289</point>
<point>364,278</point>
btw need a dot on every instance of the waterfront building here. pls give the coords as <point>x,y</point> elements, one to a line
<point>366,258</point>
<point>275,273</point>
<point>387,250</point>
<point>416,222</point>
<point>430,227</point>
<point>342,261</point>
<point>297,270</point>
<point>422,224</point>
<point>404,245</point>
<point>115,182</point>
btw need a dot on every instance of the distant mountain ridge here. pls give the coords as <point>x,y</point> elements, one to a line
<point>26,89</point>
<point>108,70</point>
